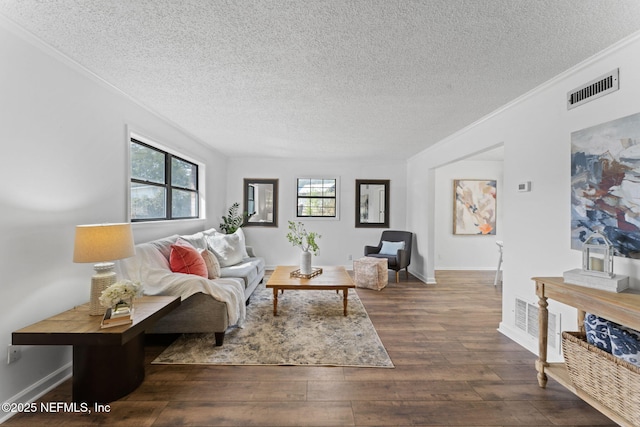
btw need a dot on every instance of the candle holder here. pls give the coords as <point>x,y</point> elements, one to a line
<point>597,256</point>
<point>597,267</point>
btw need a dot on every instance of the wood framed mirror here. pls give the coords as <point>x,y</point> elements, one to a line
<point>372,203</point>
<point>260,202</point>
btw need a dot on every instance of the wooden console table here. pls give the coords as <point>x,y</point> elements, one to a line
<point>107,363</point>
<point>622,308</point>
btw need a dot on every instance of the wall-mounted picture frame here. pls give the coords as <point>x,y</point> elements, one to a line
<point>260,202</point>
<point>372,203</point>
<point>605,190</point>
<point>474,207</point>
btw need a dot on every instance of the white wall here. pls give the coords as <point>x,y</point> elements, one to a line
<point>459,252</point>
<point>536,131</point>
<point>63,163</point>
<point>340,238</point>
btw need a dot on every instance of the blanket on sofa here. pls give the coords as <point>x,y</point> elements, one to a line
<point>150,268</point>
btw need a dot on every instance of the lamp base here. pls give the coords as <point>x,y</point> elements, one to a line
<point>104,277</point>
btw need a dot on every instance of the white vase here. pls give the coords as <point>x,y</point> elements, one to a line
<point>305,262</point>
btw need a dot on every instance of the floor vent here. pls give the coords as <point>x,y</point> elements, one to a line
<point>527,320</point>
<point>601,86</point>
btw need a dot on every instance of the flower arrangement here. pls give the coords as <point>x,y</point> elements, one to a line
<point>305,240</point>
<point>120,292</point>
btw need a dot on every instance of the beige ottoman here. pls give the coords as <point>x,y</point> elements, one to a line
<point>371,273</point>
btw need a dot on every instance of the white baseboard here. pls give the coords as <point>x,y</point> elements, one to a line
<point>38,389</point>
<point>529,342</point>
<point>519,337</point>
<point>422,278</point>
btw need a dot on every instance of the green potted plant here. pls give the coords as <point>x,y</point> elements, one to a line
<point>305,240</point>
<point>232,221</point>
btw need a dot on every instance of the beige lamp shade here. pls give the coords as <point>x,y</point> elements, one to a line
<point>103,242</point>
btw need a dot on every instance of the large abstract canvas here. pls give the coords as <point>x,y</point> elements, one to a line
<point>605,184</point>
<point>474,210</point>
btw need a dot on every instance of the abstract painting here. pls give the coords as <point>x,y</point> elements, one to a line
<point>605,184</point>
<point>474,210</point>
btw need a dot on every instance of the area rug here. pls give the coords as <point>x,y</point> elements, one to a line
<point>310,330</point>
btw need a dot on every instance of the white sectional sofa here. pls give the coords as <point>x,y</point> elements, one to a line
<point>208,304</point>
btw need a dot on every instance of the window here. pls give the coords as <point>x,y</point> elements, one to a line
<point>317,198</point>
<point>163,186</point>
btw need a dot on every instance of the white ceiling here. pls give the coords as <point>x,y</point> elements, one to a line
<point>326,78</point>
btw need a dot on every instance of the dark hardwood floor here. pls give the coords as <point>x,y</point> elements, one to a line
<point>452,367</point>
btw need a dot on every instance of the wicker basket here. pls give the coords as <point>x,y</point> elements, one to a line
<point>606,378</point>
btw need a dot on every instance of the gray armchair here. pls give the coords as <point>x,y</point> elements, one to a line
<point>396,249</point>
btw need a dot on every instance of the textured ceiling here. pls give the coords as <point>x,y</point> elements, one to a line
<point>326,78</point>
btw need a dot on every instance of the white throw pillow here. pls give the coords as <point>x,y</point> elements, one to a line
<point>391,248</point>
<point>243,242</point>
<point>229,248</point>
<point>195,240</point>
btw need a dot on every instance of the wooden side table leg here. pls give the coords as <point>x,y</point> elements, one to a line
<point>543,321</point>
<point>102,374</point>
<point>275,301</point>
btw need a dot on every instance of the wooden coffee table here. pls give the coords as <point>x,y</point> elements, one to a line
<point>332,278</point>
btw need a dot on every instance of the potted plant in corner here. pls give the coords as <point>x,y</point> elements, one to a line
<point>305,240</point>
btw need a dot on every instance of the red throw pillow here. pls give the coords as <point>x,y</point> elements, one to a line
<point>186,259</point>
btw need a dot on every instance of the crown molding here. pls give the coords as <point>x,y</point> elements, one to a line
<point>29,37</point>
<point>538,89</point>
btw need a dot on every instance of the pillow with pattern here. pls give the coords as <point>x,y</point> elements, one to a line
<point>597,331</point>
<point>625,343</point>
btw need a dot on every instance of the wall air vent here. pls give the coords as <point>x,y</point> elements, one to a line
<point>601,86</point>
<point>526,319</point>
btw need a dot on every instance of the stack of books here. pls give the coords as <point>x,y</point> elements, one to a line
<point>121,316</point>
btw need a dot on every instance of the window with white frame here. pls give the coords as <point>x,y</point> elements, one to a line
<point>163,185</point>
<point>317,198</point>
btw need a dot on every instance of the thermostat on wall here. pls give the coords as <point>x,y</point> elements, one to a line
<point>524,186</point>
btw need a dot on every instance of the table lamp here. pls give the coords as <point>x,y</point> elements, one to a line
<point>102,244</point>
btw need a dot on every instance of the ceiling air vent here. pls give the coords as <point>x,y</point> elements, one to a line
<point>594,89</point>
